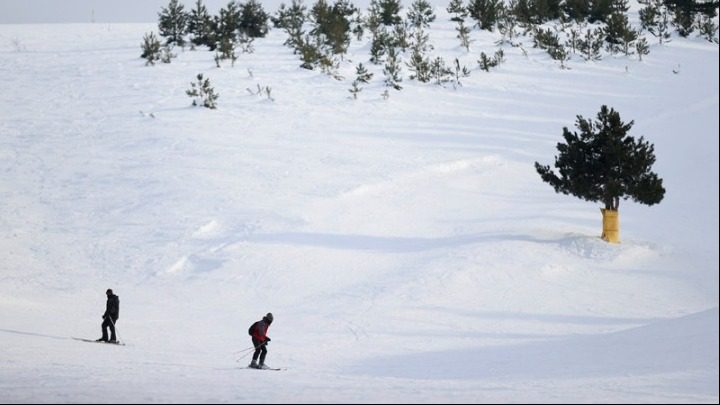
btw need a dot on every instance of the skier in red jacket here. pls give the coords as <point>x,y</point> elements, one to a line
<point>260,340</point>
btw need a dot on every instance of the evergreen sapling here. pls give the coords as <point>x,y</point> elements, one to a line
<point>150,49</point>
<point>203,93</point>
<point>421,14</point>
<point>392,70</point>
<point>173,23</point>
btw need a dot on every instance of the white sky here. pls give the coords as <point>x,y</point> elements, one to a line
<point>63,11</point>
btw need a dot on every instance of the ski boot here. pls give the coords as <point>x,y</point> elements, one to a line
<point>254,364</point>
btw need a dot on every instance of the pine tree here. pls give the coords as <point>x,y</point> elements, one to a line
<point>420,40</point>
<point>173,23</point>
<point>577,10</point>
<point>387,12</point>
<point>311,52</point>
<point>280,17</point>
<point>292,20</point>
<point>500,56</point>
<point>507,26</point>
<point>439,72</point>
<point>573,39</point>
<point>253,20</point>
<point>522,11</point>
<point>381,42</point>
<point>362,74</point>
<point>295,39</point>
<point>642,48</point>
<point>590,46</point>
<point>706,7</point>
<point>340,31</point>
<point>604,164</point>
<point>150,49</point>
<point>559,53</point>
<point>401,35</point>
<point>333,24</point>
<point>226,25</point>
<point>707,28</point>
<point>203,92</point>
<point>320,14</point>
<point>358,25</point>
<point>685,13</point>
<point>684,21</point>
<point>200,25</point>
<point>546,39</point>
<point>373,21</point>
<point>655,18</point>
<point>290,17</point>
<point>600,10</point>
<point>460,72</point>
<point>314,54</point>
<point>463,35</point>
<point>392,70</point>
<point>486,63</point>
<point>421,14</point>
<point>485,12</point>
<point>628,38</point>
<point>225,51</point>
<point>545,10</point>
<point>419,65</point>
<point>619,6</point>
<point>457,10</point>
<point>536,11</point>
<point>355,89</point>
<point>618,33</point>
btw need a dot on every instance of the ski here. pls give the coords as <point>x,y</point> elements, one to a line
<point>95,341</point>
<point>266,368</point>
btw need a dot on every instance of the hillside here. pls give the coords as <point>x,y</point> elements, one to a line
<point>407,247</point>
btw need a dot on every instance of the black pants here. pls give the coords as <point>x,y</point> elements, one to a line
<point>109,323</point>
<point>260,350</point>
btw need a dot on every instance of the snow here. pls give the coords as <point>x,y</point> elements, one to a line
<point>407,247</point>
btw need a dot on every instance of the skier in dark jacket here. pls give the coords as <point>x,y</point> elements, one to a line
<point>110,317</point>
<point>260,340</point>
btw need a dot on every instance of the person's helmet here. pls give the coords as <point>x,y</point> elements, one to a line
<point>269,317</point>
<point>109,292</point>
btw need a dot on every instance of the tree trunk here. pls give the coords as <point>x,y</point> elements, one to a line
<point>612,203</point>
<point>611,225</point>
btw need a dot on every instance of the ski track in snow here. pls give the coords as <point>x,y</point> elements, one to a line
<point>407,247</point>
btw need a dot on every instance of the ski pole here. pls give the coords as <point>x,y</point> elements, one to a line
<point>248,353</point>
<point>245,350</point>
<point>117,335</point>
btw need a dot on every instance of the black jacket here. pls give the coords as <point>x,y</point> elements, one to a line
<point>112,308</point>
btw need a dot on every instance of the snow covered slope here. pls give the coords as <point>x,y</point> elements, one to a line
<point>407,247</point>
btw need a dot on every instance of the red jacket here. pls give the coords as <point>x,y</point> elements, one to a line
<point>258,331</point>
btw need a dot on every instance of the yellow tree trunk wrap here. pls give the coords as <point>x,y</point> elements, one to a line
<point>611,226</point>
